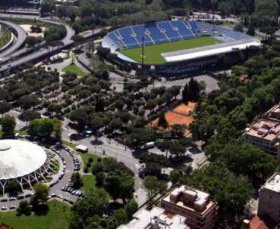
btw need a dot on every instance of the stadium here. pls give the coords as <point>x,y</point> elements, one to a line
<point>158,45</point>
<point>24,162</point>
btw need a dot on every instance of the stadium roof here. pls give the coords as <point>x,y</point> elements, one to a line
<point>19,158</point>
<point>210,50</point>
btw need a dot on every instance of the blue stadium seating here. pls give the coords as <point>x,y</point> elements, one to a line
<point>183,30</point>
<point>169,30</point>
<point>156,34</point>
<point>128,38</point>
<point>165,31</point>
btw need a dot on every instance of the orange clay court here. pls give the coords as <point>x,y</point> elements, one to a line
<point>182,114</point>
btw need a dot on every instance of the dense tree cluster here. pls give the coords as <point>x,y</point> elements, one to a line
<point>48,130</point>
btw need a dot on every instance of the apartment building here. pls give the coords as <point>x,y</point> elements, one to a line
<point>196,206</point>
<point>269,199</point>
<point>265,133</point>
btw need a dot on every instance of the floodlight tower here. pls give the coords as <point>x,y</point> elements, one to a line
<point>142,55</point>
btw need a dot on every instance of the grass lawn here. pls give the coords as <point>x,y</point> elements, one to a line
<point>153,52</point>
<point>69,144</point>
<point>57,217</point>
<point>73,68</point>
<point>5,36</point>
<point>88,181</point>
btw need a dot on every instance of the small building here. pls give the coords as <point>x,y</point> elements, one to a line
<point>196,206</point>
<point>155,219</point>
<point>269,199</point>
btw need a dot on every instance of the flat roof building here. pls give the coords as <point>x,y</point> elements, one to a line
<point>155,219</point>
<point>200,211</point>
<point>269,199</point>
<point>265,133</point>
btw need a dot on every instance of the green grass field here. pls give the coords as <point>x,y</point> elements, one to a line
<point>88,181</point>
<point>73,68</point>
<point>5,36</point>
<point>153,52</point>
<point>57,217</point>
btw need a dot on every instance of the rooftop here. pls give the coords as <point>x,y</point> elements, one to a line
<point>146,219</point>
<point>191,199</point>
<point>273,183</point>
<point>19,158</point>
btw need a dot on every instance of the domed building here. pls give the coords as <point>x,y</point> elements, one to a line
<point>24,162</point>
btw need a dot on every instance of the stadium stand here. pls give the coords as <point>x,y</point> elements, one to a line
<point>153,33</point>
<point>166,31</point>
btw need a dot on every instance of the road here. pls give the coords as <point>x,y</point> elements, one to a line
<point>42,51</point>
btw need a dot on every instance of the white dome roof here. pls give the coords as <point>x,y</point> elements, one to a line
<point>19,158</point>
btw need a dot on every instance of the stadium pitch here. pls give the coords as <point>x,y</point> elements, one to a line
<point>152,53</point>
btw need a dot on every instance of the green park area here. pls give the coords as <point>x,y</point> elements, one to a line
<point>57,217</point>
<point>74,69</point>
<point>152,53</point>
<point>5,36</point>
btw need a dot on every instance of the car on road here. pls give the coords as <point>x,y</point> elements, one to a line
<point>13,207</point>
<point>4,208</point>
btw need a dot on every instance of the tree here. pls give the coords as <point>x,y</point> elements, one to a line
<point>256,164</point>
<point>178,130</point>
<point>76,180</point>
<point>120,216</point>
<point>28,101</point>
<point>23,208</point>
<point>119,185</point>
<point>231,192</point>
<point>92,204</point>
<point>251,30</point>
<point>96,123</point>
<point>8,126</point>
<point>131,207</point>
<point>80,116</point>
<point>194,90</point>
<point>29,115</point>
<point>162,122</point>
<point>185,93</point>
<point>48,129</point>
<point>238,27</point>
<point>153,186</point>
<point>40,197</point>
<point>4,107</point>
<point>13,187</point>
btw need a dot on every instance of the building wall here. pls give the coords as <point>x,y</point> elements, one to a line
<point>269,204</point>
<point>195,219</point>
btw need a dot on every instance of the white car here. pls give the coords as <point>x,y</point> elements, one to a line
<point>4,208</point>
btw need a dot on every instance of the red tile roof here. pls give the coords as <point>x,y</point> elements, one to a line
<point>257,223</point>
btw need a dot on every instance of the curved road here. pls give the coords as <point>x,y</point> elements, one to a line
<point>20,34</point>
<point>41,51</point>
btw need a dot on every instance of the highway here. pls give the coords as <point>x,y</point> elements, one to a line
<point>20,38</point>
<point>42,51</point>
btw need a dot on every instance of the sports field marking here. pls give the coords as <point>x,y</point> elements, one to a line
<point>152,53</point>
